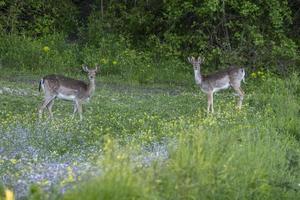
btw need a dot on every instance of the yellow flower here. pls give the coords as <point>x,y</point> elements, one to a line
<point>13,161</point>
<point>9,195</point>
<point>108,145</point>
<point>70,174</point>
<point>104,61</point>
<point>158,181</point>
<point>120,157</point>
<point>46,49</point>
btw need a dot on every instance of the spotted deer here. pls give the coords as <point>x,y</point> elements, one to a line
<point>61,87</point>
<point>220,80</point>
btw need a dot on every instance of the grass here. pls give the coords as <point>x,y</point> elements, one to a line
<point>153,142</point>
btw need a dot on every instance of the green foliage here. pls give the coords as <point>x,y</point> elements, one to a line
<point>48,53</point>
<point>1,190</point>
<point>35,193</point>
<point>121,181</point>
<point>181,28</point>
<point>256,34</point>
<point>37,18</point>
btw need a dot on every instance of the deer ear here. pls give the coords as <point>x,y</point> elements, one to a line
<point>97,67</point>
<point>201,60</point>
<point>84,67</point>
<point>191,59</point>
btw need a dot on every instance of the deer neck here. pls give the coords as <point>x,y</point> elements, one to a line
<point>198,77</point>
<point>91,87</point>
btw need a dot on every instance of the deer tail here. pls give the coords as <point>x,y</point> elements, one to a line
<point>244,73</point>
<point>41,84</point>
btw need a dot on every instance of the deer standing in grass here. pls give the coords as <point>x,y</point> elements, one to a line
<point>58,86</point>
<point>209,84</point>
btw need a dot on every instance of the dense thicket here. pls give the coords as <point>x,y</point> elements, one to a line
<point>260,34</point>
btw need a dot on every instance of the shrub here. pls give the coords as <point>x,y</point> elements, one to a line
<point>49,53</point>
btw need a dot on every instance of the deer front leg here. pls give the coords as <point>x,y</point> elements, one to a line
<point>44,105</point>
<point>74,110</point>
<point>210,102</point>
<point>241,96</point>
<point>79,109</point>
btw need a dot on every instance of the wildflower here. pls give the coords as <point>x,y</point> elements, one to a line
<point>158,181</point>
<point>108,141</point>
<point>46,49</point>
<point>108,144</point>
<point>104,61</point>
<point>120,157</point>
<point>9,195</point>
<point>13,161</point>
<point>70,174</point>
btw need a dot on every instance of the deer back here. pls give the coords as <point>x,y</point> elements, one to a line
<point>223,79</point>
<point>64,86</point>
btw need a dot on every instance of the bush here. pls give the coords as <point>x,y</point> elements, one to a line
<point>49,53</point>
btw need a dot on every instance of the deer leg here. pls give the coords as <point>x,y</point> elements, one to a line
<point>75,110</point>
<point>44,105</point>
<point>79,108</point>
<point>210,102</point>
<point>49,106</point>
<point>241,96</point>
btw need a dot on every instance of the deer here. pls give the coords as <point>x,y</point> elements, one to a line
<point>221,80</point>
<point>65,88</point>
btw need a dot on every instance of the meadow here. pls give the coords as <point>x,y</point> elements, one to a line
<point>145,133</point>
<point>152,141</point>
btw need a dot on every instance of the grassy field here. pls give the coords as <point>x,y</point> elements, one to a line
<point>152,142</point>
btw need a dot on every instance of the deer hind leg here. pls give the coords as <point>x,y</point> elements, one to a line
<point>210,102</point>
<point>241,96</point>
<point>47,100</point>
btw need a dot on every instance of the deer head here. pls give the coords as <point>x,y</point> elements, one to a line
<point>91,72</point>
<point>195,62</point>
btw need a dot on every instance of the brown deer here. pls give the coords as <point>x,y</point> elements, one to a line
<point>58,86</point>
<point>209,84</point>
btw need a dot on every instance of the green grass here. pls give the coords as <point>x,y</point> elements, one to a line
<point>248,154</point>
